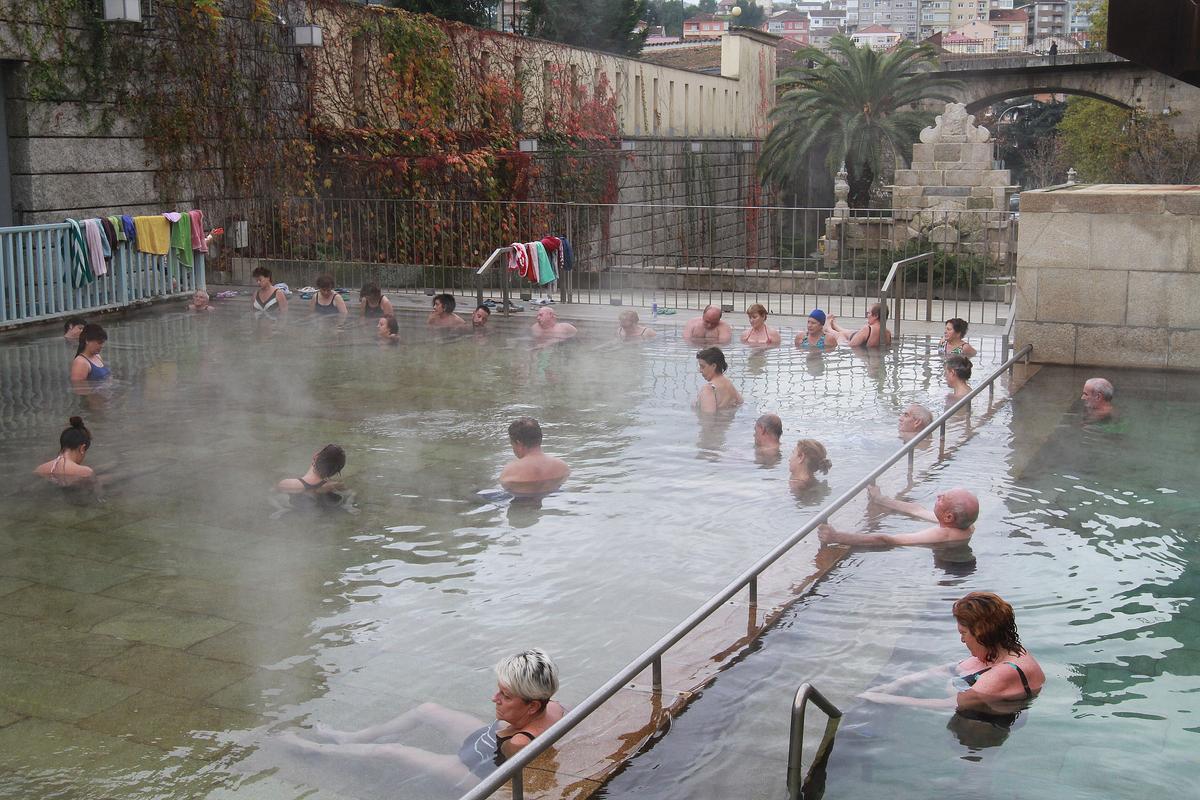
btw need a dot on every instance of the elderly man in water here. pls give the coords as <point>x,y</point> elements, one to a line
<point>709,328</point>
<point>548,326</point>
<point>913,419</point>
<point>533,472</point>
<point>954,514</point>
<point>1097,399</point>
<point>768,429</point>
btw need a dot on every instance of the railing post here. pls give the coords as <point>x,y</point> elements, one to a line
<point>518,785</point>
<point>656,673</point>
<point>754,590</point>
<point>929,288</point>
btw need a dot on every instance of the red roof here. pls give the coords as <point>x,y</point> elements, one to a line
<point>789,15</point>
<point>703,18</point>
<point>1008,15</point>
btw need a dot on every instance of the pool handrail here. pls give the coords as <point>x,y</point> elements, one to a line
<point>511,770</point>
<point>487,264</point>
<point>795,773</point>
<point>887,285</point>
<point>1006,337</point>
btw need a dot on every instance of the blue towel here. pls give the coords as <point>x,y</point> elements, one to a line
<point>130,230</point>
<point>568,256</point>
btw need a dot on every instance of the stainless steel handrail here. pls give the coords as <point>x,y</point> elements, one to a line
<point>1006,337</point>
<point>487,264</point>
<point>511,770</point>
<point>795,772</point>
<point>887,284</point>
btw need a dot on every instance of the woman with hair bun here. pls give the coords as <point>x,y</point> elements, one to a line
<point>807,460</point>
<point>958,372</point>
<point>999,677</point>
<point>68,467</point>
<point>524,709</point>
<point>719,393</point>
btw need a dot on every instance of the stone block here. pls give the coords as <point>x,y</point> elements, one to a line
<point>977,152</point>
<point>1150,242</point>
<point>947,151</point>
<point>66,155</point>
<point>1094,297</point>
<point>963,177</point>
<point>1027,281</point>
<point>948,191</point>
<point>917,166</point>
<point>981,191</point>
<point>1052,343</point>
<point>943,234</point>
<point>951,165</point>
<point>906,177</point>
<point>923,152</point>
<point>997,178</point>
<point>980,204</point>
<point>1182,202</point>
<point>1054,240</point>
<point>1121,346</point>
<point>33,118</point>
<point>1164,300</point>
<point>929,177</point>
<point>1094,200</point>
<point>1183,350</point>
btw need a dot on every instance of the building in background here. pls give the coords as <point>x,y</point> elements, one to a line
<point>1011,26</point>
<point>876,37</point>
<point>791,25</point>
<point>964,11</point>
<point>902,16</point>
<point>820,37</point>
<point>827,19</point>
<point>1048,19</point>
<point>935,17</point>
<point>1080,20</point>
<point>510,14</point>
<point>704,26</point>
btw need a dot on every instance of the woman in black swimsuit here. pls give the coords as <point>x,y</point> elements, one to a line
<point>326,463</point>
<point>525,684</point>
<point>1000,675</point>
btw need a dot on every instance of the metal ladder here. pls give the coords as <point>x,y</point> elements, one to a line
<point>796,779</point>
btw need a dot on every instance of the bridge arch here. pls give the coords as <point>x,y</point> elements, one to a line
<point>982,103</point>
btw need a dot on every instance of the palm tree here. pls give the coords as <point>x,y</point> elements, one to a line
<point>854,100</point>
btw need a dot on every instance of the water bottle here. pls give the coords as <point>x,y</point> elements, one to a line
<point>654,310</point>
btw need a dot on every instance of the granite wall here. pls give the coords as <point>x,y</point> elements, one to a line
<point>1109,275</point>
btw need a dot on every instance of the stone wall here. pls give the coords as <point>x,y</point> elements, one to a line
<point>1109,275</point>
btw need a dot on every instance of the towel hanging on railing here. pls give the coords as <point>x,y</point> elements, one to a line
<point>77,260</point>
<point>518,259</point>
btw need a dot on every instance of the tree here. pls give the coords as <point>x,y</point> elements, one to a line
<point>1044,163</point>
<point>752,15</point>
<point>670,14</point>
<point>708,6</point>
<point>1092,134</point>
<point>857,102</point>
<point>607,25</point>
<point>1097,11</point>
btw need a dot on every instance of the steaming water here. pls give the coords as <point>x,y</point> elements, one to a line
<point>155,639</point>
<point>1091,534</point>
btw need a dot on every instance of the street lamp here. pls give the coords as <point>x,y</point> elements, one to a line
<point>122,10</point>
<point>308,36</point>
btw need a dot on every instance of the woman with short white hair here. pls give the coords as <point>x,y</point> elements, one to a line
<point>525,685</point>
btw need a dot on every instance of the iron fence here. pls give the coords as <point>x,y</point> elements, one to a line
<point>673,256</point>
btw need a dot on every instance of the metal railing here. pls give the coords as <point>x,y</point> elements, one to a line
<point>36,276</point>
<point>512,769</point>
<point>487,264</point>
<point>796,779</point>
<point>899,274</point>
<point>676,255</point>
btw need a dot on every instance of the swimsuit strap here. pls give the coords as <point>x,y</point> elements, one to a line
<point>316,485</point>
<point>1024,680</point>
<point>502,739</point>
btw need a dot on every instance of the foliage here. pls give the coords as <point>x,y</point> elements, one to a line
<point>472,12</point>
<point>951,270</point>
<point>1045,163</point>
<point>607,25</point>
<point>1092,135</point>
<point>856,100</point>
<point>671,14</point>
<point>1097,19</point>
<point>1154,153</point>
<point>1027,138</point>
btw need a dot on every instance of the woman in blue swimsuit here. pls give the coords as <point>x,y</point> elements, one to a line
<point>525,684</point>
<point>87,366</point>
<point>1000,675</point>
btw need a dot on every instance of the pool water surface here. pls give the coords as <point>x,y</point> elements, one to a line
<point>156,638</point>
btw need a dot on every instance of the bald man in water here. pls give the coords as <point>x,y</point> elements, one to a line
<point>954,514</point>
<point>709,328</point>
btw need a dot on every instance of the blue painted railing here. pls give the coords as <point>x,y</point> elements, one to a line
<point>35,276</point>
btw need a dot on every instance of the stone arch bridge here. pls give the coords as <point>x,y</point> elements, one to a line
<point>991,79</point>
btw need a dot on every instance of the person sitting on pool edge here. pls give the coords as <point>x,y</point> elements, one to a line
<point>708,327</point>
<point>67,467</point>
<point>873,334</point>
<point>442,315</point>
<point>374,304</point>
<point>72,328</point>
<point>1097,400</point>
<point>768,429</point>
<point>326,300</point>
<point>326,463</point>
<point>1000,675</point>
<point>547,325</point>
<point>954,514</point>
<point>524,707</point>
<point>533,472</point>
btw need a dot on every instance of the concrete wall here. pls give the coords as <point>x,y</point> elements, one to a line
<point>1109,275</point>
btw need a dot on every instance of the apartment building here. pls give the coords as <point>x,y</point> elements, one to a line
<point>1080,20</point>
<point>1048,18</point>
<point>877,37</point>
<point>935,17</point>
<point>791,25</point>
<point>901,16</point>
<point>964,11</point>
<point>704,26</point>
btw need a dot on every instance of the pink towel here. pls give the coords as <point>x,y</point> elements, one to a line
<point>198,243</point>
<point>95,246</point>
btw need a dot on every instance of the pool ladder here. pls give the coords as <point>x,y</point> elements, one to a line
<point>797,781</point>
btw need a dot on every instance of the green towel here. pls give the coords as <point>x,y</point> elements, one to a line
<point>545,269</point>
<point>181,240</point>
<point>116,223</point>
<point>79,269</point>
